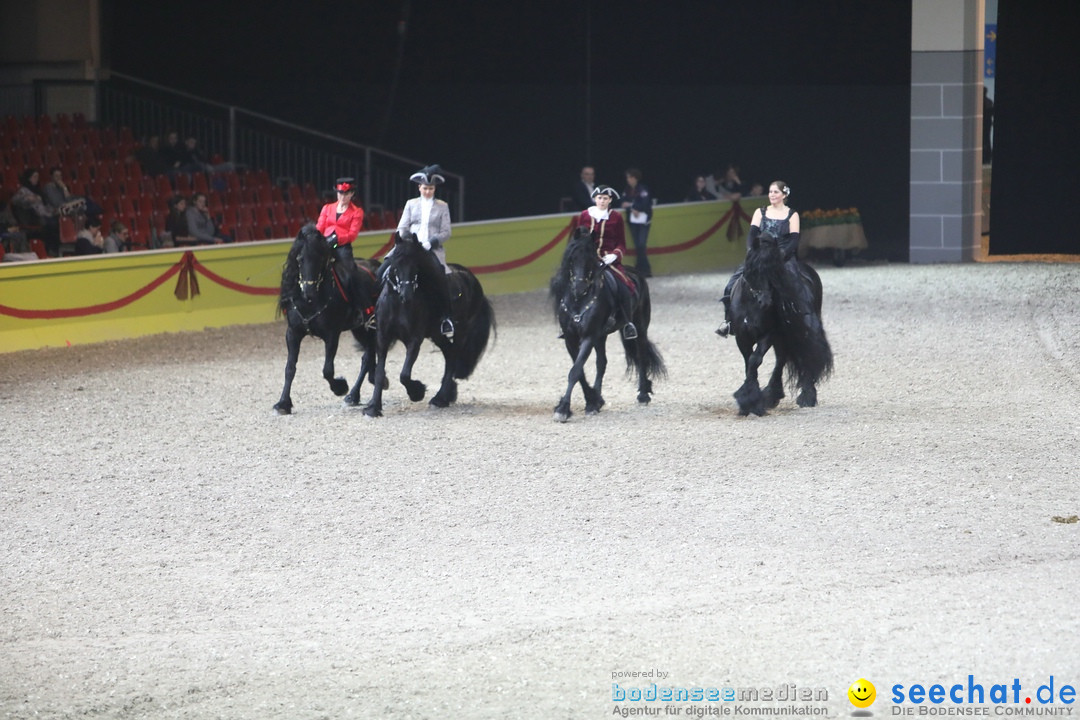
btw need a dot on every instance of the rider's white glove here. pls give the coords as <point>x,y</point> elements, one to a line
<point>426,244</point>
<point>610,258</point>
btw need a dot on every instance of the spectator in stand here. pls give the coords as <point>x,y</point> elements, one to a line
<point>200,225</point>
<point>90,241</point>
<point>730,186</point>
<point>36,217</point>
<point>176,221</point>
<point>12,238</point>
<point>638,203</point>
<point>582,193</point>
<point>699,191</point>
<point>151,160</point>
<point>119,238</point>
<point>172,153</point>
<point>60,198</point>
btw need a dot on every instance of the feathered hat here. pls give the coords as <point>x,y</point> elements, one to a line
<point>431,175</point>
<point>345,184</point>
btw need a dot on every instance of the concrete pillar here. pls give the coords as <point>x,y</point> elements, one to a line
<point>946,130</point>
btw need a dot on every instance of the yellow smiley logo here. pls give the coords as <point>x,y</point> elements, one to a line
<point>862,693</point>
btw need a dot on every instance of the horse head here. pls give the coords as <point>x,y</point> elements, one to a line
<point>402,274</point>
<point>581,266</point>
<point>307,263</point>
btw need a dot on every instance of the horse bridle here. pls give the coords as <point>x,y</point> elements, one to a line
<point>395,283</point>
<point>575,281</point>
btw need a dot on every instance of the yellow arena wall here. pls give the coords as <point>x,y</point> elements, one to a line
<point>82,300</point>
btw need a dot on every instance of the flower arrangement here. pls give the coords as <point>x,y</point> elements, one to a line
<point>836,216</point>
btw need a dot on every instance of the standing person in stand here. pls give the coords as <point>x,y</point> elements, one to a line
<point>340,221</point>
<point>638,204</point>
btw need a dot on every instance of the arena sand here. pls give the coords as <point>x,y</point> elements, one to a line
<point>172,549</point>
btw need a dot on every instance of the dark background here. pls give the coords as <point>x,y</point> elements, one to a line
<point>517,96</point>
<point>1033,196</point>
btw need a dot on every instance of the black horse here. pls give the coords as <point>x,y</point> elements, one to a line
<point>320,296</point>
<point>403,312</point>
<point>584,300</point>
<point>777,305</point>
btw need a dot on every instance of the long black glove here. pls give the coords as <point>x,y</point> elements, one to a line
<point>755,232</point>
<point>332,239</point>
<point>789,245</point>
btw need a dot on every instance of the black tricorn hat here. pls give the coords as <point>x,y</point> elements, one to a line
<point>431,175</point>
<point>345,184</point>
<point>605,190</point>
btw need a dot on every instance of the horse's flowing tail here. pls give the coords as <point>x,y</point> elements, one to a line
<point>476,337</point>
<point>642,355</point>
<point>810,359</point>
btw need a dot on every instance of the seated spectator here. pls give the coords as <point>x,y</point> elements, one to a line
<point>171,153</point>
<point>37,218</point>
<point>119,238</point>
<point>200,225</point>
<point>193,159</point>
<point>90,241</point>
<point>699,191</point>
<point>150,158</point>
<point>730,186</point>
<point>176,228</point>
<point>60,198</point>
<point>757,190</point>
<point>12,238</point>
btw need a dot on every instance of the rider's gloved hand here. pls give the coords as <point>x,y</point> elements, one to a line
<point>426,244</point>
<point>332,239</point>
<point>610,258</point>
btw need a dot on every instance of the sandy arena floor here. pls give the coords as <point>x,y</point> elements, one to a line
<point>170,548</point>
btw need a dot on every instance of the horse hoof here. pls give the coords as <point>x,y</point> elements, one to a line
<point>561,417</point>
<point>372,412</point>
<point>339,386</point>
<point>806,400</point>
<point>592,411</point>
<point>283,409</point>
<point>415,390</point>
<point>438,402</point>
<point>351,400</point>
<point>644,399</point>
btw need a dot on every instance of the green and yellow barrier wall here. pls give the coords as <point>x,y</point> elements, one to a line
<point>73,301</point>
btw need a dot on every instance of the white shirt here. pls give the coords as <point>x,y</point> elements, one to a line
<point>425,216</point>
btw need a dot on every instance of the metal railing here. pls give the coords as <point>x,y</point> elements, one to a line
<point>288,152</point>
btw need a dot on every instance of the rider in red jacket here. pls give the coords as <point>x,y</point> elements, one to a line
<point>341,221</point>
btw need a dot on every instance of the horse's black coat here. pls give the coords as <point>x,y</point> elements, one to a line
<point>321,297</point>
<point>583,296</point>
<point>403,312</point>
<point>777,305</point>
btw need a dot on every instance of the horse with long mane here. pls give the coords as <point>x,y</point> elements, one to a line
<point>777,305</point>
<point>321,297</point>
<point>584,299</point>
<point>404,312</point>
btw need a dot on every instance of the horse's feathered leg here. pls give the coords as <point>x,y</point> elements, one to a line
<point>292,343</point>
<point>594,397</point>
<point>774,391</point>
<point>366,338</point>
<point>338,385</point>
<point>414,388</point>
<point>748,396</point>
<point>450,350</point>
<point>374,406</point>
<point>577,373</point>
